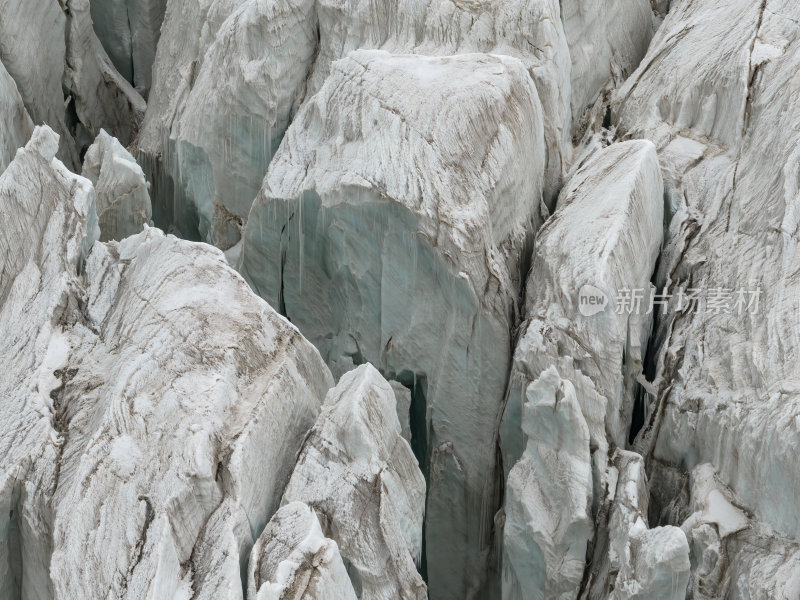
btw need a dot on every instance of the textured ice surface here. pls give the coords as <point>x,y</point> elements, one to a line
<point>123,202</point>
<point>605,233</point>
<point>101,98</point>
<point>224,94</point>
<point>129,31</point>
<point>153,425</point>
<point>48,223</point>
<point>231,74</point>
<point>209,135</point>
<point>530,30</point>
<point>603,237</point>
<point>712,93</point>
<point>293,560</point>
<point>33,49</point>
<point>209,376</point>
<point>391,229</point>
<point>378,171</point>
<point>630,560</point>
<point>548,522</point>
<point>15,123</point>
<point>607,39</point>
<point>63,75</point>
<point>734,556</point>
<point>361,477</point>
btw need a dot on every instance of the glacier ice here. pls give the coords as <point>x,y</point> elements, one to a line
<point>107,374</point>
<point>101,98</point>
<point>403,247</point>
<point>48,226</point>
<point>213,123</point>
<point>632,560</point>
<point>129,31</point>
<point>605,233</point>
<point>724,380</point>
<point>360,476</point>
<point>607,40</point>
<point>15,122</point>
<point>33,49</point>
<point>218,109</point>
<point>734,555</point>
<point>476,222</point>
<point>293,560</point>
<point>123,201</point>
<point>548,523</point>
<point>64,76</point>
<point>230,402</point>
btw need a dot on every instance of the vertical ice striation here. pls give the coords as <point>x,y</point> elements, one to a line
<point>129,31</point>
<point>548,247</point>
<point>392,229</point>
<point>603,239</point>
<point>33,49</point>
<point>16,126</point>
<point>63,74</point>
<point>530,30</point>
<point>358,473</point>
<point>713,94</point>
<point>548,521</point>
<point>607,39</point>
<point>101,98</point>
<point>251,79</point>
<point>221,99</point>
<point>223,96</point>
<point>123,202</point>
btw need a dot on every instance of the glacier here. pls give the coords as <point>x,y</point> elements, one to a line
<point>350,245</point>
<point>122,198</point>
<point>355,300</point>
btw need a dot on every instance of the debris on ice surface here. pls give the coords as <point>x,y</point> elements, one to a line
<point>360,476</point>
<point>293,560</point>
<point>392,228</point>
